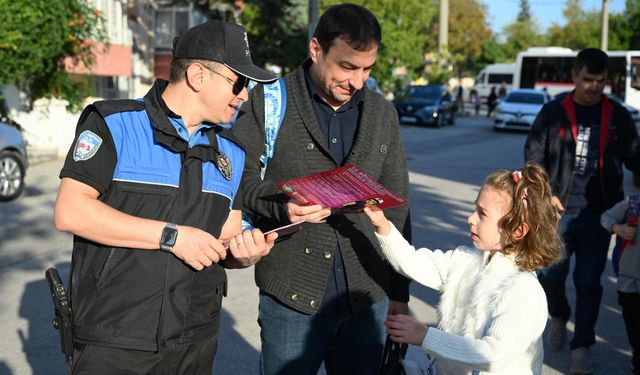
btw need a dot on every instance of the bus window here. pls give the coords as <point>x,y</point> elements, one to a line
<point>498,78</point>
<point>635,73</point>
<point>617,76</point>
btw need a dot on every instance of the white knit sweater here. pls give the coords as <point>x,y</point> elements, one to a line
<point>491,314</point>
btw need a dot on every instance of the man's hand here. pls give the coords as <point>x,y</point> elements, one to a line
<point>405,329</point>
<point>625,231</point>
<point>198,248</point>
<point>559,207</point>
<point>383,226</point>
<point>248,247</point>
<point>313,213</point>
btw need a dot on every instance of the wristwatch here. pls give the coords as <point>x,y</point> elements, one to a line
<point>168,237</point>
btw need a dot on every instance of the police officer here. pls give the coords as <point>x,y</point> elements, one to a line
<point>150,189</point>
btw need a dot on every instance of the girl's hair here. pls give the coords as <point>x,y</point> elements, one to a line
<point>531,203</point>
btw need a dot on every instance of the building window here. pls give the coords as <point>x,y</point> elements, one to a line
<point>170,22</point>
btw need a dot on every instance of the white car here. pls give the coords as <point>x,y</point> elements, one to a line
<point>518,110</point>
<point>13,162</point>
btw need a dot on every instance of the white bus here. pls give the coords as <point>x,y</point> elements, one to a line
<point>550,68</point>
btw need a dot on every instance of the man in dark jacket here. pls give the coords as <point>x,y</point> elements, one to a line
<point>149,190</point>
<point>325,291</point>
<point>582,140</point>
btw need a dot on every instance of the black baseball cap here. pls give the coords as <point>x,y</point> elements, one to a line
<point>222,42</point>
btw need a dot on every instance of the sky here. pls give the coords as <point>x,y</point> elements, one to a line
<point>503,12</point>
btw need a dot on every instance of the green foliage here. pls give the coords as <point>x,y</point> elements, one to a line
<point>581,30</point>
<point>277,31</point>
<point>495,52</point>
<point>468,28</point>
<point>36,36</point>
<point>405,31</point>
<point>439,68</point>
<point>525,11</point>
<point>626,27</point>
<point>524,34</point>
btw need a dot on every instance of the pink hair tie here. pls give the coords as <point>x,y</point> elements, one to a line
<point>517,176</point>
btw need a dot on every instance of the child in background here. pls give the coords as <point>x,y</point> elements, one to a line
<point>492,310</point>
<point>474,98</point>
<point>622,220</point>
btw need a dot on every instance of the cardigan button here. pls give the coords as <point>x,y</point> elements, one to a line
<point>327,255</point>
<point>310,146</point>
<point>312,303</point>
<point>294,297</point>
<point>307,250</point>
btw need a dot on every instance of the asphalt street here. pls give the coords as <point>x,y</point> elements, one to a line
<point>447,166</point>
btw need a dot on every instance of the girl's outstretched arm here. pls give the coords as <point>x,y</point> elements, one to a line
<point>429,268</point>
<point>383,226</point>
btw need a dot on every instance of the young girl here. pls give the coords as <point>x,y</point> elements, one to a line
<point>622,220</point>
<point>493,310</point>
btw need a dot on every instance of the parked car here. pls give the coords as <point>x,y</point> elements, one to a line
<point>373,85</point>
<point>431,104</point>
<point>13,162</point>
<point>519,108</point>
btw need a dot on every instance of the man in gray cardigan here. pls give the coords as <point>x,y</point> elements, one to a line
<point>325,291</point>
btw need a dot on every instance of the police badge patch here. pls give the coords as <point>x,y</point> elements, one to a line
<point>87,145</point>
<point>224,165</point>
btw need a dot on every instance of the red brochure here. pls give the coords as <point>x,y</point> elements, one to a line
<point>344,189</point>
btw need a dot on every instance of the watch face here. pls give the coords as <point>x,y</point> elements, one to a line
<point>169,236</point>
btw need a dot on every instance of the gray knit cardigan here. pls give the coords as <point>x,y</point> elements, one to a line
<point>297,269</point>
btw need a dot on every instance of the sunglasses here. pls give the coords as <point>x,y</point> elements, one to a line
<point>237,85</point>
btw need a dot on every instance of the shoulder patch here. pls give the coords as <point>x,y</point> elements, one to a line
<point>87,145</point>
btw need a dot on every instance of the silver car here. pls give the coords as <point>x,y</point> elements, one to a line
<point>13,162</point>
<point>519,109</point>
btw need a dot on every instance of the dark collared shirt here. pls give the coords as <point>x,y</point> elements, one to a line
<point>339,128</point>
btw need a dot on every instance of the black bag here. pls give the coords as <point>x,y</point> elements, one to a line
<point>391,355</point>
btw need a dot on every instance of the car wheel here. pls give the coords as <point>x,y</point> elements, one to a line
<point>11,176</point>
<point>452,118</point>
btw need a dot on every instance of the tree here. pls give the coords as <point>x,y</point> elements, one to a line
<point>404,37</point>
<point>524,31</point>
<point>468,29</point>
<point>524,34</point>
<point>633,16</point>
<point>277,31</point>
<point>581,30</point>
<point>495,52</point>
<point>525,11</point>
<point>35,38</point>
<point>624,28</point>
<point>621,32</point>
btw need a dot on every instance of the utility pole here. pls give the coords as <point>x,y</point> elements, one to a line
<point>443,33</point>
<point>604,30</point>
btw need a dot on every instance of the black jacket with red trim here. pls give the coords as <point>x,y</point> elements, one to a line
<point>551,142</point>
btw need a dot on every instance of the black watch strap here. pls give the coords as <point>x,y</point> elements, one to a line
<point>169,237</point>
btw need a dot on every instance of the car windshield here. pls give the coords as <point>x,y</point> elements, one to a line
<point>423,92</point>
<point>527,98</point>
